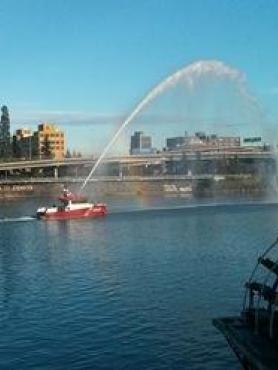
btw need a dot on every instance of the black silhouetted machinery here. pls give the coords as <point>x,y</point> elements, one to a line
<point>254,334</point>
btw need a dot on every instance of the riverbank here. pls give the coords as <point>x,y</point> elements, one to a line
<point>205,186</point>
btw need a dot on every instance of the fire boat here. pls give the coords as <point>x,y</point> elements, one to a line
<point>72,206</point>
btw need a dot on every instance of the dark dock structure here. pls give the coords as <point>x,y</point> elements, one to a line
<point>253,335</point>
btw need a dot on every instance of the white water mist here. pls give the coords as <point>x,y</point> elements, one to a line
<point>189,75</point>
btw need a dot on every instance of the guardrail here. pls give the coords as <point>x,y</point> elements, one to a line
<point>61,180</point>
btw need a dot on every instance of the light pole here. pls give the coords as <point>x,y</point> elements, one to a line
<point>30,148</point>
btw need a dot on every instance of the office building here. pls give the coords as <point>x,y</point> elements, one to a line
<point>49,142</point>
<point>201,141</point>
<point>140,143</point>
<point>174,143</point>
<point>5,136</point>
<point>223,141</point>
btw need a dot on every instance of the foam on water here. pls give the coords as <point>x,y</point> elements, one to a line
<point>192,206</point>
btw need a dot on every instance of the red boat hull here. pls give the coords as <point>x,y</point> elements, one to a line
<point>64,214</point>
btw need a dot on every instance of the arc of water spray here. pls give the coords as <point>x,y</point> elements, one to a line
<point>189,74</point>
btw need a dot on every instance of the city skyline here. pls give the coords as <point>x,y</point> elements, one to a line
<point>125,146</point>
<point>23,143</point>
<point>85,67</point>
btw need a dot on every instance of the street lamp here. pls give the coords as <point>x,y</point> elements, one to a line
<point>30,148</point>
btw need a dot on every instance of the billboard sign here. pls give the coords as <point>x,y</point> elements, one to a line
<point>252,139</point>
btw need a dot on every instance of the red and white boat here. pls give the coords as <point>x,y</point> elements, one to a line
<point>72,206</point>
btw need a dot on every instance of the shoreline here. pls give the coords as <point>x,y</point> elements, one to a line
<point>119,187</point>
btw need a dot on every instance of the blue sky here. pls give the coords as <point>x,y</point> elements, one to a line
<point>87,61</point>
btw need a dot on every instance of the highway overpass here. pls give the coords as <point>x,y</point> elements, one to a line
<point>133,160</point>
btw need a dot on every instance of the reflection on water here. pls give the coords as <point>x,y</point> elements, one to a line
<point>137,289</point>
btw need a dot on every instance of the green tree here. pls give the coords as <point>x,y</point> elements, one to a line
<point>15,148</point>
<point>68,154</point>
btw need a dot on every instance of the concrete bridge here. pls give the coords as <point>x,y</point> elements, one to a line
<point>61,180</point>
<point>133,160</point>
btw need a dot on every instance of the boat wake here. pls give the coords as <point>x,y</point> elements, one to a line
<point>196,206</point>
<point>155,208</point>
<point>17,219</point>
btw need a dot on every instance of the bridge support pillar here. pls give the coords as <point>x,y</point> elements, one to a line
<point>120,171</point>
<point>56,172</point>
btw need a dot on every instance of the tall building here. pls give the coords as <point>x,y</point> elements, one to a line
<point>5,136</point>
<point>140,143</point>
<point>49,142</point>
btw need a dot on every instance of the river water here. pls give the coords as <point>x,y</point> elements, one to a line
<point>135,290</point>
